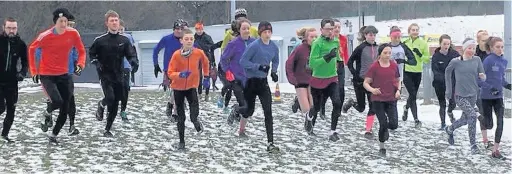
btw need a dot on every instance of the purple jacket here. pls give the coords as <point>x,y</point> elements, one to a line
<point>230,59</point>
<point>494,67</point>
<point>297,70</point>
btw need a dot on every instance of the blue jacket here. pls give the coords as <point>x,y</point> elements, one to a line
<point>230,59</point>
<point>171,44</point>
<point>126,64</point>
<point>258,53</point>
<point>494,67</point>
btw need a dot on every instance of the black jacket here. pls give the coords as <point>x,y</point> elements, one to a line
<point>109,50</point>
<point>205,43</point>
<point>481,54</point>
<point>440,62</point>
<point>13,58</point>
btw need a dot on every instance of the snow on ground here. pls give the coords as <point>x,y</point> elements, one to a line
<point>147,144</point>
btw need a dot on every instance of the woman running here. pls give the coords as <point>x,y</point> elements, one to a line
<point>492,92</point>
<point>297,69</point>
<point>468,71</point>
<point>383,81</point>
<point>226,92</point>
<point>230,61</point>
<point>442,56</point>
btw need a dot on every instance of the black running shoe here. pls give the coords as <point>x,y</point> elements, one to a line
<point>272,149</point>
<point>334,137</point>
<point>73,131</point>
<point>404,117</point>
<point>347,105</point>
<point>7,139</point>
<point>181,146</point>
<point>382,152</point>
<point>296,105</point>
<point>368,135</point>
<point>108,134</point>
<point>417,123</point>
<point>168,109</point>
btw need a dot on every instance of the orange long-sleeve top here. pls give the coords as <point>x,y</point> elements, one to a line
<point>55,49</point>
<point>191,63</point>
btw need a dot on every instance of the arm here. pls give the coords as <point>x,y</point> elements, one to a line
<point>366,84</point>
<point>275,60</point>
<point>226,56</point>
<point>227,38</point>
<point>131,55</point>
<point>315,59</point>
<point>216,45</point>
<point>245,61</point>
<point>448,78</point>
<point>355,57</point>
<point>172,71</point>
<point>157,49</point>
<point>411,60</point>
<point>488,66</point>
<point>23,57</point>
<point>435,67</point>
<point>205,64</point>
<point>32,57</point>
<point>93,51</point>
<point>81,50</point>
<point>425,51</point>
<point>290,67</point>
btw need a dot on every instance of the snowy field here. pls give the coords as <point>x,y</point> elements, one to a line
<point>147,143</point>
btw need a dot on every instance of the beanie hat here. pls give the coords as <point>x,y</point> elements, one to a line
<point>62,12</point>
<point>264,25</point>
<point>180,23</point>
<point>468,42</point>
<point>241,12</point>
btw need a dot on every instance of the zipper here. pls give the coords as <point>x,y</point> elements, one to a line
<point>8,63</point>
<point>188,67</point>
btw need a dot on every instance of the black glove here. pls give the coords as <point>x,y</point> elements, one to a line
<point>157,70</point>
<point>35,78</point>
<point>415,50</point>
<point>78,70</point>
<point>135,67</point>
<point>328,57</point>
<point>494,91</point>
<point>264,68</point>
<point>20,77</point>
<point>507,86</point>
<point>274,77</point>
<point>399,61</point>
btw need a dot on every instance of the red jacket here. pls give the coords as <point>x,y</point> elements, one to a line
<point>344,48</point>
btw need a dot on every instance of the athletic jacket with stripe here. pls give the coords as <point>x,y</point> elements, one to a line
<point>12,51</point>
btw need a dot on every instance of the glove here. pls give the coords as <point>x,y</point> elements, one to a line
<point>135,67</point>
<point>274,77</point>
<point>184,74</point>
<point>206,82</point>
<point>415,50</point>
<point>399,61</point>
<point>494,91</point>
<point>78,70</point>
<point>157,70</point>
<point>507,86</point>
<point>35,78</point>
<point>264,68</point>
<point>328,57</point>
<point>20,77</point>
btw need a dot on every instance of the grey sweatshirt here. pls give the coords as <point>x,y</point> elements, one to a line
<point>466,76</point>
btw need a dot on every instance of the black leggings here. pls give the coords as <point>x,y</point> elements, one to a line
<point>114,92</point>
<point>488,105</point>
<point>330,91</point>
<point>341,86</point>
<point>412,82</point>
<point>361,96</point>
<point>124,100</point>
<point>72,111</point>
<point>179,99</point>
<point>440,89</point>
<point>258,87</point>
<point>226,90</point>
<point>59,90</point>
<point>8,100</point>
<point>238,89</point>
<point>388,117</point>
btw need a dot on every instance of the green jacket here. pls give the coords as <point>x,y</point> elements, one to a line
<point>422,46</point>
<point>317,63</point>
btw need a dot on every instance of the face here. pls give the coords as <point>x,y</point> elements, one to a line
<point>386,53</point>
<point>327,30</point>
<point>62,23</point>
<point>199,31</point>
<point>266,34</point>
<point>370,37</point>
<point>113,23</point>
<point>415,31</point>
<point>178,32</point>
<point>470,50</point>
<point>337,28</point>
<point>187,40</point>
<point>245,29</point>
<point>497,48</point>
<point>311,37</point>
<point>483,38</point>
<point>445,44</point>
<point>395,39</point>
<point>11,28</point>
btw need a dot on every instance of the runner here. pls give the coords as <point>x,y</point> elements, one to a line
<point>240,13</point>
<point>230,60</point>
<point>53,69</point>
<point>184,74</point>
<point>226,91</point>
<point>468,71</point>
<point>383,80</point>
<point>256,61</point>
<point>204,42</point>
<point>107,53</point>
<point>492,92</point>
<point>442,56</point>
<point>12,50</point>
<point>324,81</point>
<point>171,43</point>
<point>481,51</point>
<point>412,73</point>
<point>127,72</point>
<point>297,69</point>
<point>363,56</point>
<point>341,65</point>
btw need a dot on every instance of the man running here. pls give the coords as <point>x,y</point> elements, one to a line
<point>12,50</point>
<point>204,42</point>
<point>53,70</point>
<point>127,70</point>
<point>107,53</point>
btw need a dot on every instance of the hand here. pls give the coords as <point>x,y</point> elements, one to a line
<point>415,50</point>
<point>185,74</point>
<point>376,91</point>
<point>495,91</point>
<point>96,63</point>
<point>264,68</point>
<point>35,78</point>
<point>482,76</point>
<point>397,94</point>
<point>157,70</point>
<point>274,77</point>
<point>78,70</point>
<point>135,67</point>
<point>399,61</point>
<point>332,54</point>
<point>507,86</point>
<point>20,77</point>
<point>206,82</point>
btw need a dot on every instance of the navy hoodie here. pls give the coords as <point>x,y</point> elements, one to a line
<point>440,62</point>
<point>494,67</point>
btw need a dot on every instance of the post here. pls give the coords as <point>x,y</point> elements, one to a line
<point>508,42</point>
<point>233,9</point>
<point>427,84</point>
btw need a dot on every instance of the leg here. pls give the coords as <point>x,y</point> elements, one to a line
<point>341,82</point>
<point>333,93</point>
<point>179,97</point>
<point>392,114</point>
<point>414,107</point>
<point>370,117</point>
<point>124,100</point>
<point>317,95</point>
<point>487,122</point>
<point>200,88</point>
<point>50,88</point>
<point>65,87</point>
<point>440,93</point>
<point>303,98</point>
<point>72,111</point>
<point>467,105</point>
<point>239,94</point>
<point>265,97</point>
<point>499,111</point>
<point>360,97</point>
<point>409,85</point>
<point>113,103</point>
<point>3,95</point>
<point>10,94</point>
<point>193,103</point>
<point>250,97</point>
<point>322,106</point>
<point>380,110</point>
